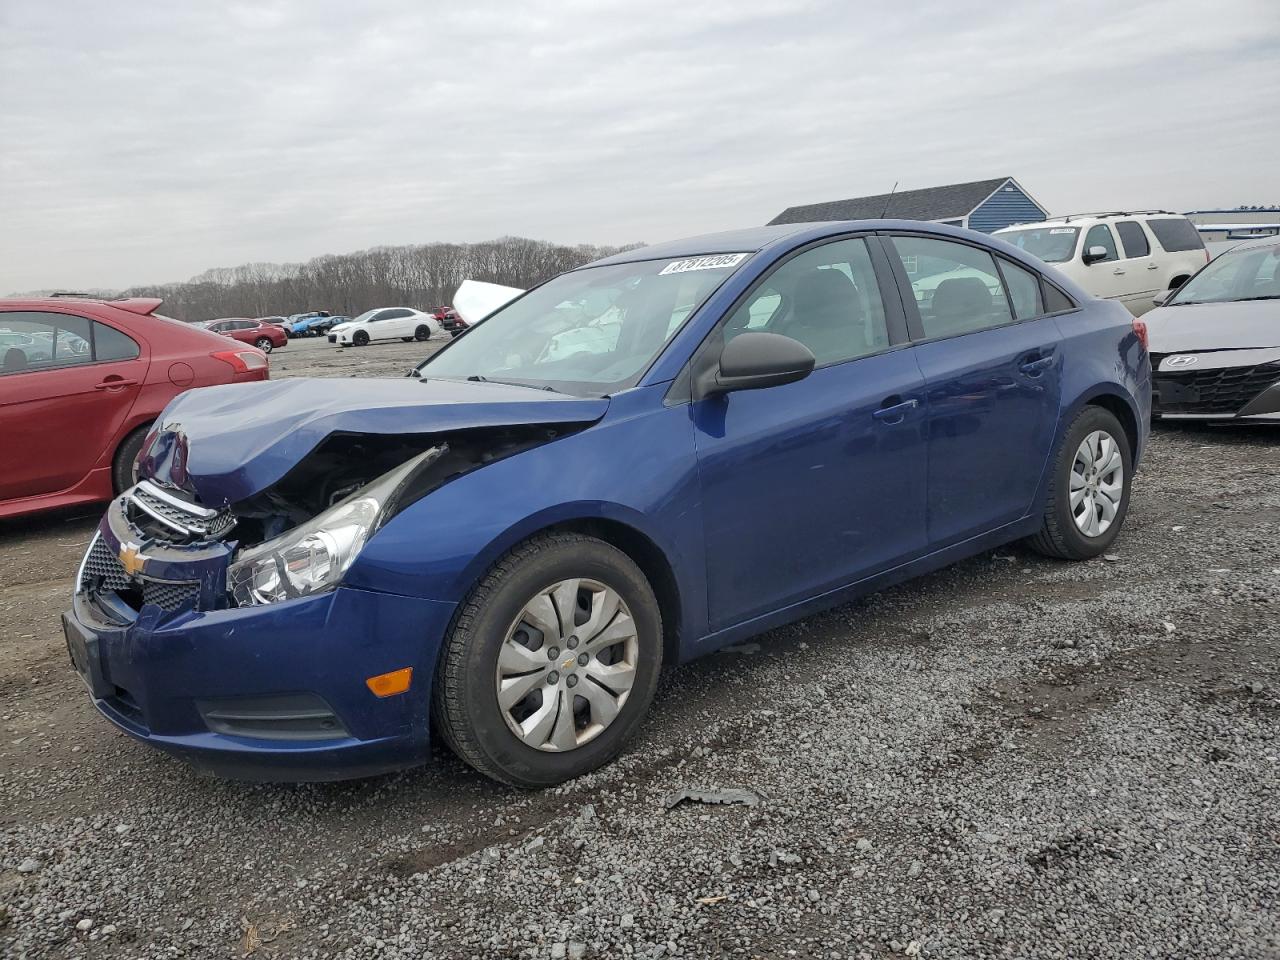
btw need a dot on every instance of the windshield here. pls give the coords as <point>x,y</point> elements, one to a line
<point>365,316</point>
<point>1251,274</point>
<point>1050,244</point>
<point>590,332</point>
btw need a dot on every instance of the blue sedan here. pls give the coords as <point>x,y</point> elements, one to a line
<point>631,465</point>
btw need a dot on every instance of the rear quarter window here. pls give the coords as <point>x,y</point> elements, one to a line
<point>1176,234</point>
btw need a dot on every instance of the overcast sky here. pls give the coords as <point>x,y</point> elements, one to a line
<point>145,142</point>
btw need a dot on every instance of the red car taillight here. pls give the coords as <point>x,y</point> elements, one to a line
<point>242,361</point>
<point>1140,329</point>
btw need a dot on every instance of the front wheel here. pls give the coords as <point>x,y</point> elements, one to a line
<point>360,338</point>
<point>422,333</point>
<point>1089,490</point>
<point>552,662</point>
<point>263,344</point>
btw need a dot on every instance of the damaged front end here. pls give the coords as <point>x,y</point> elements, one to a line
<point>159,545</point>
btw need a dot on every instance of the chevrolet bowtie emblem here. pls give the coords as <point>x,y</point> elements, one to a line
<point>131,559</point>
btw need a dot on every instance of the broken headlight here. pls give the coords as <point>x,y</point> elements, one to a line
<point>313,556</point>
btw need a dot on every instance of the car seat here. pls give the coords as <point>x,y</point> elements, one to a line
<point>14,360</point>
<point>826,316</point>
<point>959,304</point>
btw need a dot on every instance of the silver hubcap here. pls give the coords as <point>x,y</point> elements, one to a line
<point>1097,483</point>
<point>567,665</point>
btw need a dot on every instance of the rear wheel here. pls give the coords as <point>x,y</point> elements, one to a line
<point>1089,490</point>
<point>124,468</point>
<point>552,662</point>
<point>263,344</point>
<point>360,338</point>
<point>422,333</point>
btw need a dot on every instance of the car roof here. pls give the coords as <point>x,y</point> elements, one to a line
<point>1076,219</point>
<point>1256,244</point>
<point>142,306</point>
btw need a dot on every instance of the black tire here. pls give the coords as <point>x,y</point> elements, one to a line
<point>1059,536</point>
<point>360,338</point>
<point>126,458</point>
<point>465,709</point>
<point>263,344</point>
<point>422,333</point>
<point>406,339</point>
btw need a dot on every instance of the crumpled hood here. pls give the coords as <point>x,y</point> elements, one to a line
<point>1214,326</point>
<point>229,442</point>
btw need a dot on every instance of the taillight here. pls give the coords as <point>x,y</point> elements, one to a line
<point>1140,329</point>
<point>242,361</point>
<point>1207,258</point>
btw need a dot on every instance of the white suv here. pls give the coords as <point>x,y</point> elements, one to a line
<point>385,323</point>
<point>1130,257</point>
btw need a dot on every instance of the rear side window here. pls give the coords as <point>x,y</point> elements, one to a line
<point>1100,236</point>
<point>1024,290</point>
<point>110,344</point>
<point>1055,301</point>
<point>1133,238</point>
<point>32,341</point>
<point>956,287</point>
<point>1176,234</point>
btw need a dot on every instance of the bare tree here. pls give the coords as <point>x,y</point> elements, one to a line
<point>348,284</point>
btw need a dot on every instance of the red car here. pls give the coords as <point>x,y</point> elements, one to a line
<point>80,382</point>
<point>265,336</point>
<point>450,320</point>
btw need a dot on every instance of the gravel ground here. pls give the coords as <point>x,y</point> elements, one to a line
<point>1015,757</point>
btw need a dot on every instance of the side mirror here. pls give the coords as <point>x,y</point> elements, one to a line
<point>1094,254</point>
<point>753,361</point>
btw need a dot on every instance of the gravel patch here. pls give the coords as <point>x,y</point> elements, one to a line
<point>1013,757</point>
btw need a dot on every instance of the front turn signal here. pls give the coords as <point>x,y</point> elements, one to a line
<point>389,684</point>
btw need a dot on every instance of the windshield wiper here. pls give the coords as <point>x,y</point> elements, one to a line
<point>1265,296</point>
<point>477,378</point>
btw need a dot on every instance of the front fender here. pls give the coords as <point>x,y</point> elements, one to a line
<point>636,467</point>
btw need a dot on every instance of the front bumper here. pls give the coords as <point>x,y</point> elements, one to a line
<point>1217,386</point>
<point>273,692</point>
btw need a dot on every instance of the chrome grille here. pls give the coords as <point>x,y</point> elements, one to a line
<point>166,516</point>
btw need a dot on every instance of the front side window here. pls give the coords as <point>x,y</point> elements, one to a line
<point>1250,274</point>
<point>1050,244</point>
<point>1024,290</point>
<point>590,332</point>
<point>1100,236</point>
<point>827,298</point>
<point>40,341</point>
<point>956,287</point>
<point>1133,238</point>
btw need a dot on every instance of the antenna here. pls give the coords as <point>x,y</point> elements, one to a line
<point>888,200</point>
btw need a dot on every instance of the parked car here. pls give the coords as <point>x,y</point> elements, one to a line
<point>322,325</point>
<point>1128,257</point>
<point>281,322</point>
<point>265,336</point>
<point>1215,341</point>
<point>450,320</point>
<point>502,549</point>
<point>307,324</point>
<point>81,380</point>
<point>385,323</point>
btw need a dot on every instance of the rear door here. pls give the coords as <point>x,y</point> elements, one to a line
<point>1142,273</point>
<point>64,396</point>
<point>812,485</point>
<point>992,365</point>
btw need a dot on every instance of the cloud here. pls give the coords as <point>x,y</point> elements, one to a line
<point>145,142</point>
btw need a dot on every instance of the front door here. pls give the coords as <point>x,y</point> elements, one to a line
<point>992,366</point>
<point>812,485</point>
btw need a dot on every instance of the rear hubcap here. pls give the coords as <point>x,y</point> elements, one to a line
<point>567,665</point>
<point>1097,483</point>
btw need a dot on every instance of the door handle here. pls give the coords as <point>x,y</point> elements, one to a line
<point>895,412</point>
<point>1118,272</point>
<point>1153,266</point>
<point>114,383</point>
<point>1034,367</point>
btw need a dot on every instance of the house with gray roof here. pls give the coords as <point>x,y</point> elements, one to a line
<point>983,205</point>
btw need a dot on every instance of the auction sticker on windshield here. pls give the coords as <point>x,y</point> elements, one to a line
<point>717,262</point>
